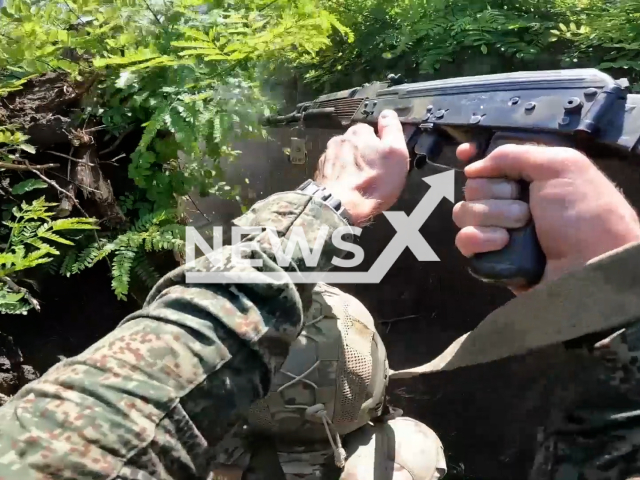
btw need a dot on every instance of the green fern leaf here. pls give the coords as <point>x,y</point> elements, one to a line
<point>190,32</point>
<point>69,261</point>
<point>36,242</point>
<point>73,224</point>
<point>8,298</point>
<point>55,238</point>
<point>35,258</point>
<point>87,258</point>
<point>204,44</point>
<point>53,267</point>
<point>121,273</point>
<point>13,303</point>
<point>6,258</point>
<point>126,60</point>
<point>145,271</point>
<point>152,126</point>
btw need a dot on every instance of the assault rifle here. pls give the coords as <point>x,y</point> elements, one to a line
<point>581,108</point>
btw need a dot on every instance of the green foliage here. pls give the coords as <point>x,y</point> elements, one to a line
<point>34,239</point>
<point>182,75</point>
<point>427,39</point>
<point>12,302</point>
<point>187,71</point>
<point>606,34</point>
<point>12,143</point>
<point>154,232</point>
<point>27,186</point>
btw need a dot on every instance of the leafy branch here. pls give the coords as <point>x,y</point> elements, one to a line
<point>34,239</point>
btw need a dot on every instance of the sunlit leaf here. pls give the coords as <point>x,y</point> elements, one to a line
<point>27,186</point>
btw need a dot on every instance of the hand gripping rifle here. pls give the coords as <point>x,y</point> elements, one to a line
<point>582,108</point>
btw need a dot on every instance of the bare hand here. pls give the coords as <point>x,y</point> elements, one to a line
<point>578,212</point>
<point>366,172</point>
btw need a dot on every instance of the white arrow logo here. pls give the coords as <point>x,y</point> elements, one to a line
<point>407,235</point>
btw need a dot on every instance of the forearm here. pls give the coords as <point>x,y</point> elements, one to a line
<point>154,395</point>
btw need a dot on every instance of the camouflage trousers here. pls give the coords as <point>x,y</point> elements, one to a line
<point>596,433</point>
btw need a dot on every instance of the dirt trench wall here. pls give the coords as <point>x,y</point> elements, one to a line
<point>487,416</point>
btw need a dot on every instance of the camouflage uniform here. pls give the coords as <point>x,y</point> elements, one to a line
<point>150,399</point>
<point>595,435</point>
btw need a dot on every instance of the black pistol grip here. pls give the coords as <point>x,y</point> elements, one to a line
<point>522,262</point>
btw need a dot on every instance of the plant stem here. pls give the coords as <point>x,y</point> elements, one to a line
<point>198,208</point>
<point>118,140</point>
<point>152,12</point>
<point>17,288</point>
<point>56,186</point>
<point>75,183</point>
<point>32,168</point>
<point>68,194</point>
<point>74,13</point>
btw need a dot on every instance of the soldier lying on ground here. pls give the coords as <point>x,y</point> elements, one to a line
<point>151,399</point>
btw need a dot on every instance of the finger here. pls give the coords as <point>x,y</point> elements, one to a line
<point>467,152</point>
<point>339,156</point>
<point>319,175</point>
<point>473,240</point>
<point>390,130</point>
<point>360,130</point>
<point>335,142</point>
<point>339,147</point>
<point>491,188</point>
<point>491,213</point>
<point>527,162</point>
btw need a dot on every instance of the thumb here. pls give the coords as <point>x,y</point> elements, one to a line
<point>390,130</point>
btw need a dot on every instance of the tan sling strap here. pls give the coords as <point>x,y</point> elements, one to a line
<point>603,295</point>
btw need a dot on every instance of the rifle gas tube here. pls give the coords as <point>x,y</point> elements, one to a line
<point>584,108</point>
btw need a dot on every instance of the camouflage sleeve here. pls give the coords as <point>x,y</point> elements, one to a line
<point>151,399</point>
<point>594,430</point>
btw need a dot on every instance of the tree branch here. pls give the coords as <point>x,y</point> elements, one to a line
<point>7,193</point>
<point>118,140</point>
<point>198,208</point>
<point>113,160</point>
<point>75,183</point>
<point>57,187</point>
<point>74,13</point>
<point>152,12</point>
<point>18,289</point>
<point>32,168</point>
<point>391,320</point>
<point>68,157</point>
<point>99,127</point>
<point>266,6</point>
<point>71,197</point>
